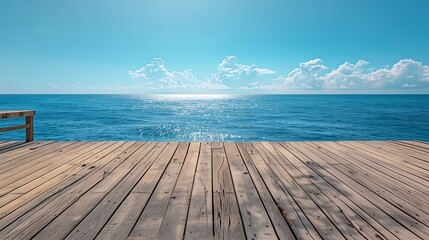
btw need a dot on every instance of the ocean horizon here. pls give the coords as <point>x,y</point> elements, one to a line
<point>221,117</point>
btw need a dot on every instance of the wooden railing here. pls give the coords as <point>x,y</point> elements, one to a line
<point>29,122</point>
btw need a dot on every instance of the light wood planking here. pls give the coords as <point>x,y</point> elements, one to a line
<point>227,219</point>
<point>259,190</point>
<point>280,224</point>
<point>174,221</point>
<point>256,221</point>
<point>345,176</point>
<point>125,217</point>
<point>46,207</point>
<point>100,200</point>
<point>14,151</point>
<point>199,224</point>
<point>149,223</point>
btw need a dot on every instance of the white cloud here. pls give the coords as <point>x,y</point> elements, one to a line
<point>157,76</point>
<point>347,75</point>
<point>228,74</point>
<point>306,75</point>
<point>406,73</point>
<point>230,71</point>
<point>309,75</point>
<point>154,69</point>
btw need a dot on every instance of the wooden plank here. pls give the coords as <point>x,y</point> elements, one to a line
<point>398,157</point>
<point>65,171</point>
<point>85,220</point>
<point>34,156</point>
<point>402,187</point>
<point>7,129</point>
<point>123,220</point>
<point>227,218</point>
<point>5,143</point>
<point>282,228</point>
<point>174,221</point>
<point>353,219</point>
<point>37,188</point>
<point>199,224</point>
<point>222,181</point>
<point>348,194</point>
<point>390,161</point>
<point>330,213</point>
<point>346,177</point>
<point>40,167</point>
<point>423,146</point>
<point>420,160</point>
<point>405,151</point>
<point>16,113</point>
<point>256,221</point>
<point>29,200</point>
<point>312,211</point>
<point>43,183</point>
<point>40,212</point>
<point>125,217</point>
<point>101,190</point>
<point>20,149</point>
<point>25,173</point>
<point>9,149</point>
<point>48,211</point>
<point>390,193</point>
<point>408,146</point>
<point>268,165</point>
<point>149,223</point>
<point>390,186</point>
<point>340,207</point>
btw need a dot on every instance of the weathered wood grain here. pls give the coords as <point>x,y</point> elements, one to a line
<point>258,190</point>
<point>199,224</point>
<point>227,219</point>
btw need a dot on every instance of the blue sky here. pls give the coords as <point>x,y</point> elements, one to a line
<point>194,46</point>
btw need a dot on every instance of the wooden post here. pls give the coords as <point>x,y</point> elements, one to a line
<point>29,122</point>
<point>29,131</point>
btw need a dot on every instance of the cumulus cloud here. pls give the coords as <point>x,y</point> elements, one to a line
<point>156,75</point>
<point>153,70</point>
<point>347,75</point>
<point>229,70</point>
<point>306,75</point>
<point>229,73</point>
<point>406,73</point>
<point>309,75</point>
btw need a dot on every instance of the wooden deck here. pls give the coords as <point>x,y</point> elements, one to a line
<point>260,190</point>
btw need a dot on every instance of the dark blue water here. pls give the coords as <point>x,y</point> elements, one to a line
<point>222,117</point>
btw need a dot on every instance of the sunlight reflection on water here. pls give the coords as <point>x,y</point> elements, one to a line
<point>178,97</point>
<point>221,117</point>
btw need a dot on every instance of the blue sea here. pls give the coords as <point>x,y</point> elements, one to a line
<point>185,117</point>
